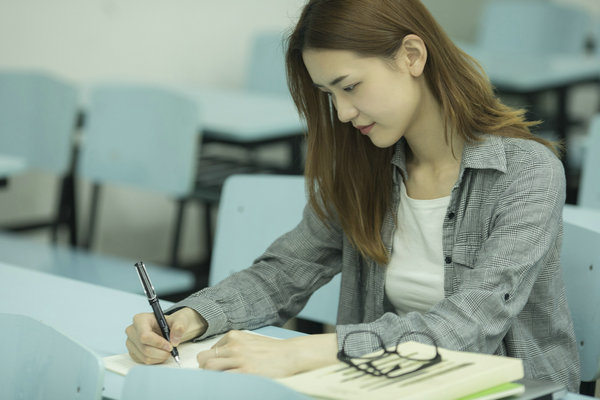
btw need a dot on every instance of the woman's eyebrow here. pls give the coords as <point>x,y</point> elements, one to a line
<point>333,82</point>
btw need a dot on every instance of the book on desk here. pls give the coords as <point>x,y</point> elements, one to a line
<point>458,375</point>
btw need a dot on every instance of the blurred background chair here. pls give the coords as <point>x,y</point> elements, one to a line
<point>253,212</point>
<point>39,363</point>
<point>265,82</point>
<point>38,115</point>
<point>528,48</point>
<point>534,27</point>
<point>266,70</point>
<point>158,383</point>
<point>254,146</point>
<point>580,260</point>
<point>589,186</point>
<point>141,137</point>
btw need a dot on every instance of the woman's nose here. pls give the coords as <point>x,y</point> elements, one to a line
<point>345,110</point>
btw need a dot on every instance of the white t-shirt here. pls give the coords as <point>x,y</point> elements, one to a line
<point>415,275</point>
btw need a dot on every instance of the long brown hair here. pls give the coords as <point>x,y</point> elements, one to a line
<point>349,178</point>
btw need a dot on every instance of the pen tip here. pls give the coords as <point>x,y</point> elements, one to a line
<point>177,361</point>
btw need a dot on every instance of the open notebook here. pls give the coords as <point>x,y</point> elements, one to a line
<point>122,363</point>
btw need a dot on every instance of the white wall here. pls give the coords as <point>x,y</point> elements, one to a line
<point>190,41</point>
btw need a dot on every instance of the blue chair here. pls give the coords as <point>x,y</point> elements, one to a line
<point>265,77</point>
<point>580,259</point>
<point>595,38</point>
<point>142,137</point>
<point>39,363</point>
<point>253,212</point>
<point>533,27</point>
<point>266,69</point>
<point>589,184</point>
<point>38,114</point>
<point>159,383</point>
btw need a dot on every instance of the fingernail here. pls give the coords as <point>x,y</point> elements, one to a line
<point>167,346</point>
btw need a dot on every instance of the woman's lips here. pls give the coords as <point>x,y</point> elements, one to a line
<point>365,129</point>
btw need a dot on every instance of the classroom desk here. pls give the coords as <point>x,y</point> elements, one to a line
<point>527,75</point>
<point>103,270</point>
<point>95,316</point>
<point>249,119</point>
<point>238,117</point>
<point>10,165</point>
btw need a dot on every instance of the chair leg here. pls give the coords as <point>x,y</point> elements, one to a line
<point>67,210</point>
<point>89,237</point>
<point>296,164</point>
<point>588,388</point>
<point>208,231</point>
<point>60,212</point>
<point>177,232</point>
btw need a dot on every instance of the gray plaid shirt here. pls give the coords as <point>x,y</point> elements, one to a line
<point>503,285</point>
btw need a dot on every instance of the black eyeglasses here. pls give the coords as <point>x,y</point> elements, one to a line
<point>390,362</point>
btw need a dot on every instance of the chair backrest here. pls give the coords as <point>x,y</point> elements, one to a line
<point>589,184</point>
<point>159,383</point>
<point>266,69</point>
<point>254,211</point>
<point>38,362</point>
<point>141,136</point>
<point>580,260</point>
<point>533,26</point>
<point>596,35</point>
<point>38,113</point>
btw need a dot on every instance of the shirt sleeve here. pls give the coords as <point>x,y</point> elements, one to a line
<point>278,284</point>
<point>514,260</point>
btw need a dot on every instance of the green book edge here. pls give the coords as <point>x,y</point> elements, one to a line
<point>496,392</point>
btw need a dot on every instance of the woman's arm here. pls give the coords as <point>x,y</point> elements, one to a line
<point>256,354</point>
<point>279,283</point>
<point>237,351</point>
<point>270,292</point>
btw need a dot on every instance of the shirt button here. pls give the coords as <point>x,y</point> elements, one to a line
<point>448,260</point>
<point>451,215</point>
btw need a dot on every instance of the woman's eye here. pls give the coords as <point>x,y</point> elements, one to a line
<point>350,87</point>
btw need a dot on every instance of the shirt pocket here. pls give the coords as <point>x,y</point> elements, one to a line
<point>464,254</point>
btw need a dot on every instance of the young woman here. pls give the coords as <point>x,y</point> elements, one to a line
<point>433,199</point>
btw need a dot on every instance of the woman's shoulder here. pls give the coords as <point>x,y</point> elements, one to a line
<point>525,153</point>
<point>520,166</point>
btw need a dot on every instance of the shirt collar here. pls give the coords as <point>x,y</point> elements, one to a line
<point>486,153</point>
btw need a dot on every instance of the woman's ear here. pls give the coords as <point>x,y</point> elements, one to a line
<point>412,55</point>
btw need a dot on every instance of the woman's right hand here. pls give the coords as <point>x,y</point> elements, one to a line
<point>144,339</point>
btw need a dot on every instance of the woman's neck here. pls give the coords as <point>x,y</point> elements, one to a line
<point>429,145</point>
<point>433,157</point>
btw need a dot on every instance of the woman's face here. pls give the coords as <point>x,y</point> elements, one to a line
<point>380,98</point>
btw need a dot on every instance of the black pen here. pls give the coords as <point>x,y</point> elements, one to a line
<point>153,300</point>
